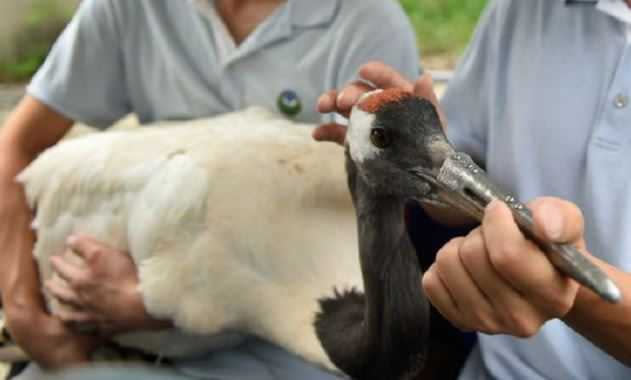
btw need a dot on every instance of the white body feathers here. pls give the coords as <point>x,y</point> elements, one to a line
<point>236,223</point>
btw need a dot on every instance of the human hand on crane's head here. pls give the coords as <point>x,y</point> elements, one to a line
<point>374,75</point>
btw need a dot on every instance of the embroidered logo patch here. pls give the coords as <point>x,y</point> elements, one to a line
<point>289,103</point>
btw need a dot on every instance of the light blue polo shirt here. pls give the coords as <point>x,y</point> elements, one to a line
<point>159,58</point>
<point>541,98</point>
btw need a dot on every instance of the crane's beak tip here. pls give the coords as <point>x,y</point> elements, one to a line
<point>612,292</point>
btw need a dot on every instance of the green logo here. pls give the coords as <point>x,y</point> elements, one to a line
<point>289,103</point>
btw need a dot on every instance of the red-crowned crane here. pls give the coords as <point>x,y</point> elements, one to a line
<point>243,223</point>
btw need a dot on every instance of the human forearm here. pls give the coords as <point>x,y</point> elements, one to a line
<point>606,325</point>
<point>16,237</point>
<point>20,142</point>
<point>30,129</point>
<point>18,273</point>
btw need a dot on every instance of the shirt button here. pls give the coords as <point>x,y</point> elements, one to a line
<point>621,101</point>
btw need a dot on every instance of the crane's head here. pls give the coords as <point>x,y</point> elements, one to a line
<point>393,135</point>
<point>396,144</point>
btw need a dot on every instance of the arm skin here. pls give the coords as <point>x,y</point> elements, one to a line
<point>494,280</point>
<point>30,129</point>
<point>614,324</point>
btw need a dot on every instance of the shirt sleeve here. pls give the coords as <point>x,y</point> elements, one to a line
<point>466,101</point>
<point>83,76</point>
<point>375,31</point>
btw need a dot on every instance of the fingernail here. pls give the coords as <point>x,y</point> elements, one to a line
<point>492,205</point>
<point>340,96</point>
<point>552,221</point>
<point>71,240</point>
<point>429,273</point>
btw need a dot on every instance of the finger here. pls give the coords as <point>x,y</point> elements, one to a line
<point>424,87</point>
<point>384,76</point>
<point>85,246</point>
<point>63,293</point>
<point>330,132</point>
<point>342,101</point>
<point>516,259</point>
<point>327,102</point>
<point>351,94</point>
<point>72,274</point>
<point>73,258</point>
<point>558,220</point>
<point>437,293</point>
<point>508,303</point>
<point>76,317</point>
<point>379,74</point>
<point>471,301</point>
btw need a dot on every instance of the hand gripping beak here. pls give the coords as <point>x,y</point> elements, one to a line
<point>460,183</point>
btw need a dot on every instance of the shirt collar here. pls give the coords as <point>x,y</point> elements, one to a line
<point>302,13</point>
<point>294,14</point>
<point>310,13</point>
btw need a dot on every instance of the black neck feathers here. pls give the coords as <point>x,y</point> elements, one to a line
<point>382,334</point>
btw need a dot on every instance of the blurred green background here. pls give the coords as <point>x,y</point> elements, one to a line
<point>27,31</point>
<point>29,27</point>
<point>443,28</point>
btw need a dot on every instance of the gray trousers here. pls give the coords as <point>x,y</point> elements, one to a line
<point>252,360</point>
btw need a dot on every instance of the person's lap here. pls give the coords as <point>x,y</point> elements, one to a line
<point>253,360</point>
<point>104,372</point>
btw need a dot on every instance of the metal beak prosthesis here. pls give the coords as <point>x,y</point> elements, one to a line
<point>460,183</point>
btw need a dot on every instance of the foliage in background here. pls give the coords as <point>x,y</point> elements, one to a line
<point>43,23</point>
<point>443,26</point>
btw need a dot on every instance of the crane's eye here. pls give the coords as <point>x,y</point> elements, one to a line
<point>380,138</point>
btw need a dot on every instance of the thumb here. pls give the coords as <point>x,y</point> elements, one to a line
<point>330,132</point>
<point>84,246</point>
<point>424,87</point>
<point>558,220</point>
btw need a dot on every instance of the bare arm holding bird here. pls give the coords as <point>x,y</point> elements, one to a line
<point>30,129</point>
